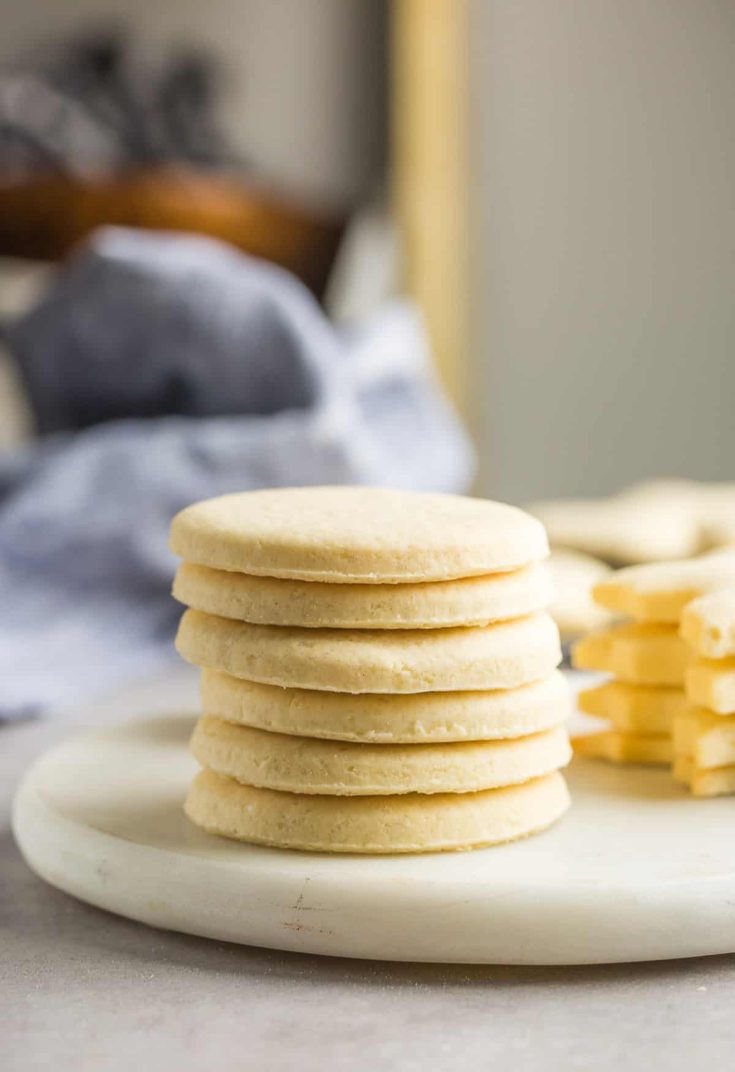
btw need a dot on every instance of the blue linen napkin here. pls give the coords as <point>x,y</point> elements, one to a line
<point>163,369</point>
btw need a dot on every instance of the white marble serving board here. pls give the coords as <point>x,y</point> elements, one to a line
<point>636,871</point>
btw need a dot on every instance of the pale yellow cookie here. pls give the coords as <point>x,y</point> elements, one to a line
<point>414,718</point>
<point>642,653</point>
<point>712,504</point>
<point>705,738</point>
<point>622,530</point>
<point>312,604</point>
<point>719,529</point>
<point>664,490</point>
<point>616,747</point>
<point>708,625</point>
<point>500,656</point>
<point>365,535</point>
<point>716,511</point>
<point>710,683</point>
<point>408,823</point>
<point>715,782</point>
<point>659,592</point>
<point>341,768</point>
<point>572,607</point>
<point>637,709</point>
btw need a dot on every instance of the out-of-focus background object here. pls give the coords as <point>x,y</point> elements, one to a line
<point>45,217</point>
<point>624,528</point>
<point>90,135</point>
<point>652,521</point>
<point>430,167</point>
<point>189,370</point>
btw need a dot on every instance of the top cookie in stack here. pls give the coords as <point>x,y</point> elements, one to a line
<point>379,674</point>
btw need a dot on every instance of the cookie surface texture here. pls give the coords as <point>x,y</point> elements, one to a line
<point>378,718</point>
<point>659,592</point>
<point>708,625</point>
<point>355,534</point>
<point>312,604</point>
<point>641,653</point>
<point>625,748</point>
<point>406,824</point>
<point>714,782</point>
<point>338,768</point>
<point>705,738</point>
<point>710,683</point>
<point>641,709</point>
<point>498,656</point>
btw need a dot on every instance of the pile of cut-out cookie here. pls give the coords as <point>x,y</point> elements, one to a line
<point>670,699</point>
<point>672,696</point>
<point>655,521</point>
<point>378,670</point>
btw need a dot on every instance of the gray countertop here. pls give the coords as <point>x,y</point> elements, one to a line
<point>85,990</point>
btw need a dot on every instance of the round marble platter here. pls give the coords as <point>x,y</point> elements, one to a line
<point>637,870</point>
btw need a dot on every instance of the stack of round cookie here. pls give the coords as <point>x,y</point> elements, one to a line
<point>379,673</point>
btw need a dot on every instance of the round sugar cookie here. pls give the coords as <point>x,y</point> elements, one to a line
<point>274,601</point>
<point>500,656</point>
<point>375,718</point>
<point>358,535</point>
<point>409,823</point>
<point>338,768</point>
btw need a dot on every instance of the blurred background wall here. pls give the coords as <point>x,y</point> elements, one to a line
<point>602,168</point>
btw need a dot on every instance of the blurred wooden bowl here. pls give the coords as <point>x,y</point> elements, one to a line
<point>44,218</point>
